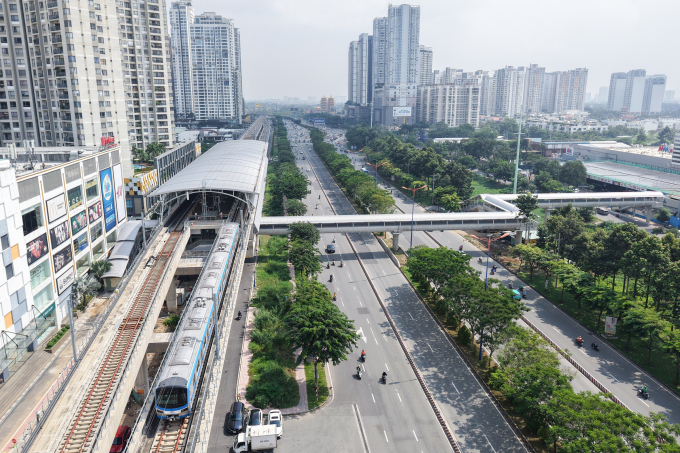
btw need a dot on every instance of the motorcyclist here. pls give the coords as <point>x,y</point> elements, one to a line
<point>384,376</point>
<point>239,314</point>
<point>358,369</point>
<point>579,339</point>
<point>334,296</point>
<point>521,288</point>
<point>594,345</point>
<point>333,261</point>
<point>319,197</point>
<point>460,249</point>
<point>644,388</point>
<point>363,354</point>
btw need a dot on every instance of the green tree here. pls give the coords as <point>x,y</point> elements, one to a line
<point>99,268</point>
<point>600,298</point>
<point>526,203</point>
<point>155,149</point>
<point>664,215</point>
<point>503,170</point>
<point>305,258</point>
<point>573,173</point>
<point>304,231</point>
<point>318,327</point>
<point>295,207</point>
<point>450,203</point>
<point>666,135</point>
<point>529,255</point>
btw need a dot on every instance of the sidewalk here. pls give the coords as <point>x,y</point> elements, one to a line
<point>28,386</point>
<point>244,378</point>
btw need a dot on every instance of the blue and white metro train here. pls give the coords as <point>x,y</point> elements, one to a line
<point>176,387</point>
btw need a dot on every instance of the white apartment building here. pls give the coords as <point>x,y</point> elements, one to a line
<point>214,87</point>
<point>181,17</point>
<point>633,96</point>
<point>454,104</point>
<point>568,127</point>
<point>426,75</point>
<point>635,92</point>
<point>509,91</point>
<point>655,87</point>
<point>403,46</point>
<point>62,82</point>
<point>533,89</point>
<point>617,88</point>
<point>147,71</point>
<point>360,70</point>
<point>487,102</point>
<point>379,52</point>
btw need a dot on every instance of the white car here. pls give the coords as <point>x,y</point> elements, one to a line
<point>275,418</point>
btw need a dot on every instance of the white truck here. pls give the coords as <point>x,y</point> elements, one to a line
<point>260,437</point>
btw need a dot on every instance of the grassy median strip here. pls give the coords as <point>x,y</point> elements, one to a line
<point>312,402</point>
<point>55,339</point>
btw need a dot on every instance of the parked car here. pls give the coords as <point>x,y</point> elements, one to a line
<point>256,417</point>
<point>275,418</point>
<point>120,441</point>
<point>237,418</point>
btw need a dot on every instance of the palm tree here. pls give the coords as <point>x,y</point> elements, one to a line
<point>83,286</point>
<point>99,268</point>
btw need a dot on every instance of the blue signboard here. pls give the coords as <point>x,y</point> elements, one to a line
<point>107,198</point>
<point>319,120</point>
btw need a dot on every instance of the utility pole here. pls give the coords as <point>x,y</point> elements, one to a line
<point>371,114</point>
<point>519,137</point>
<point>433,176</point>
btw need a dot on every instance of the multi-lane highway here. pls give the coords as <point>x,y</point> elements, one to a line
<point>618,374</point>
<point>477,424</point>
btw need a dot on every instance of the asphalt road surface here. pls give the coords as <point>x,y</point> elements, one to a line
<point>476,422</point>
<point>618,374</point>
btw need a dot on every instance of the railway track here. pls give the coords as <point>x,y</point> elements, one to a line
<point>82,430</point>
<point>170,438</point>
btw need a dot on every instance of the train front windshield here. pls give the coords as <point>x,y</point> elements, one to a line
<point>171,398</point>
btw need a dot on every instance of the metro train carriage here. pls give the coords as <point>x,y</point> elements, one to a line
<point>176,386</point>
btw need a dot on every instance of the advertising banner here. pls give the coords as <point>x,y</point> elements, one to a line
<point>36,249</point>
<point>80,243</point>
<point>96,231</point>
<point>62,258</point>
<point>59,234</point>
<point>78,222</point>
<point>401,111</point>
<point>75,197</point>
<point>610,325</point>
<point>120,194</point>
<point>107,199</point>
<point>65,280</point>
<point>56,207</point>
<point>95,211</point>
<point>319,120</point>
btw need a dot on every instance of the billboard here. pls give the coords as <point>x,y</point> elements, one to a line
<point>78,222</point>
<point>36,249</point>
<point>56,207</point>
<point>59,234</point>
<point>401,111</point>
<point>65,280</point>
<point>318,121</point>
<point>62,258</point>
<point>610,325</point>
<point>95,211</point>
<point>120,194</point>
<point>108,199</point>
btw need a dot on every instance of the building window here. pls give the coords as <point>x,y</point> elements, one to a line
<point>9,271</point>
<point>91,189</point>
<point>32,219</point>
<point>4,240</point>
<point>40,273</point>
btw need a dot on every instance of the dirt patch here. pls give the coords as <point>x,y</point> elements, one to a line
<point>130,413</point>
<point>154,360</point>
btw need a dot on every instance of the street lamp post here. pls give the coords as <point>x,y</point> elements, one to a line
<point>413,209</point>
<point>73,327</point>
<point>376,171</point>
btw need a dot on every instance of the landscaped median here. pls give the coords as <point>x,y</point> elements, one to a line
<point>55,339</point>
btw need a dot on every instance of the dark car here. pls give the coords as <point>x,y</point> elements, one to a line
<point>121,439</point>
<point>256,417</point>
<point>237,419</point>
<point>330,248</point>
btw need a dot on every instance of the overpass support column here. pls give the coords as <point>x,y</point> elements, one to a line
<point>142,382</point>
<point>547,214</point>
<point>171,297</point>
<point>648,215</point>
<point>395,241</point>
<point>519,234</point>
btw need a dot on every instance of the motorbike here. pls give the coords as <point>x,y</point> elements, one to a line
<point>595,346</point>
<point>363,357</point>
<point>578,342</point>
<point>643,394</point>
<point>359,372</point>
<point>333,262</point>
<point>238,317</point>
<point>524,295</point>
<point>342,263</point>
<point>384,378</point>
<point>334,298</point>
<point>331,277</point>
<point>479,260</point>
<point>328,265</point>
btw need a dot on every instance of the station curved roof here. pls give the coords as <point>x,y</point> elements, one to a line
<point>239,166</point>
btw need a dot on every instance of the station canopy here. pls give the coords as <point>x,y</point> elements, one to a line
<point>239,166</point>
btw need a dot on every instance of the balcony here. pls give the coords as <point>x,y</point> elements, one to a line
<point>56,38</point>
<point>63,96</point>
<point>52,4</point>
<point>64,105</point>
<point>60,84</point>
<point>57,50</point>
<point>67,127</point>
<point>58,61</point>
<point>53,16</point>
<point>60,73</point>
<point>56,28</point>
<point>65,116</point>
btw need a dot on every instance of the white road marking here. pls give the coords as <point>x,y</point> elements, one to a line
<point>487,439</point>
<point>387,367</point>
<point>584,353</point>
<point>616,380</point>
<point>428,345</point>
<point>386,439</point>
<point>454,386</point>
<point>373,397</point>
<point>360,332</point>
<point>555,329</point>
<point>384,273</point>
<point>361,303</point>
<point>644,403</point>
<point>414,435</point>
<point>399,398</point>
<point>409,313</point>
<point>376,340</point>
<point>343,304</point>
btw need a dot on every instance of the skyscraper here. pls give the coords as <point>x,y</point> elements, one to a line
<point>602,95</point>
<point>509,91</point>
<point>181,17</point>
<point>403,46</point>
<point>214,77</point>
<point>634,93</point>
<point>360,70</point>
<point>379,51</point>
<point>617,88</point>
<point>426,76</point>
<point>655,86</point>
<point>669,96</point>
<point>533,88</point>
<point>455,104</point>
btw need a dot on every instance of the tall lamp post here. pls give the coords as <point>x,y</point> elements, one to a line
<point>413,209</point>
<point>519,138</point>
<point>70,304</point>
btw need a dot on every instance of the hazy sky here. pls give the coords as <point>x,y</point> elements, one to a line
<point>299,48</point>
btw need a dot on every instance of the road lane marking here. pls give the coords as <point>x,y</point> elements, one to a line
<point>454,386</point>
<point>584,353</point>
<point>361,428</point>
<point>386,439</point>
<point>373,397</point>
<point>487,439</point>
<point>361,303</point>
<point>616,380</point>
<point>399,397</point>
<point>555,329</point>
<point>409,313</point>
<point>376,340</point>
<point>428,345</point>
<point>644,403</point>
<point>387,367</point>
